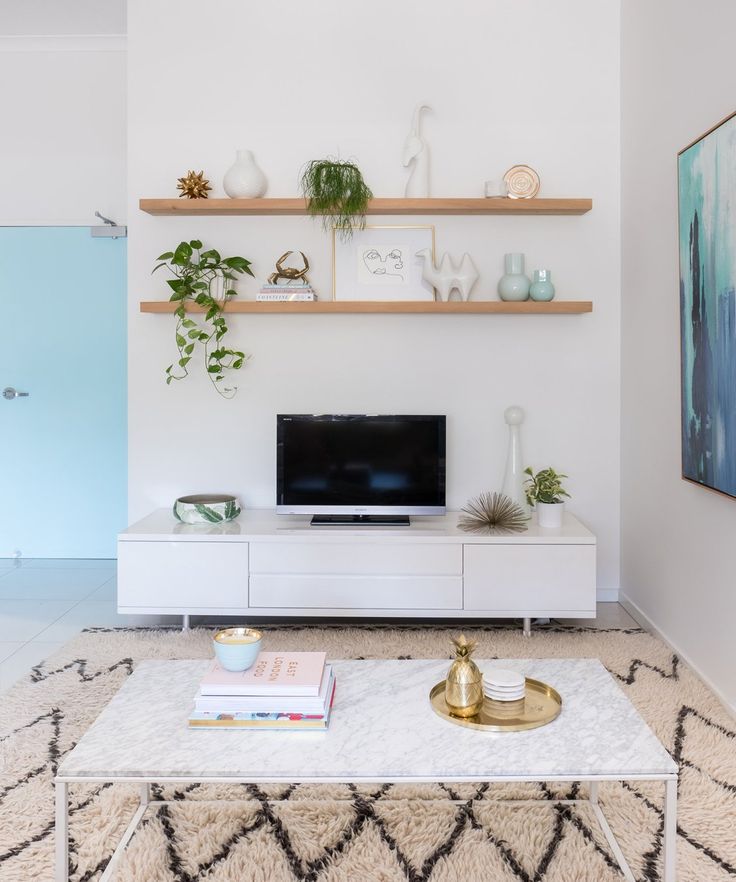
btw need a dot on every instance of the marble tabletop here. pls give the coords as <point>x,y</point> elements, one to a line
<point>382,729</point>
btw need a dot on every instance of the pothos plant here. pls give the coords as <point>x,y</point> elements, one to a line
<point>545,486</point>
<point>204,278</point>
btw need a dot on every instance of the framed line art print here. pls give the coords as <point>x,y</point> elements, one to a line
<point>381,263</point>
<point>707,238</point>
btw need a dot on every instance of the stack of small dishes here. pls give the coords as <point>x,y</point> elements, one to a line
<point>504,686</point>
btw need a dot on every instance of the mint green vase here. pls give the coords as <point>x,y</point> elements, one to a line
<point>542,287</point>
<point>514,285</point>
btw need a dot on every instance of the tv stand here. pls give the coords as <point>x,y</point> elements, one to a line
<point>263,566</point>
<point>360,520</point>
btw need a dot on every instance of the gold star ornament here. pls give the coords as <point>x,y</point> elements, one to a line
<point>194,185</point>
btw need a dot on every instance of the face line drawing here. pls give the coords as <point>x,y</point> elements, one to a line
<point>389,265</point>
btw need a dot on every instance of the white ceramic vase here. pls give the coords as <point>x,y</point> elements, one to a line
<point>244,180</point>
<point>513,479</point>
<point>416,155</point>
<point>549,514</point>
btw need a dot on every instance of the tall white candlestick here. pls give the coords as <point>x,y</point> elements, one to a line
<point>513,479</point>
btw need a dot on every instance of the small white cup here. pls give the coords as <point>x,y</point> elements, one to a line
<point>496,189</point>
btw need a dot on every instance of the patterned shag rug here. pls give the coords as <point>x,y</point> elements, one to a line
<point>371,834</point>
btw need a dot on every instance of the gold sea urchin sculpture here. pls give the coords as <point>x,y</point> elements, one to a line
<point>493,513</point>
<point>193,185</point>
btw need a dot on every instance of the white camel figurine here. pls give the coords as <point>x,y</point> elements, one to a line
<point>416,151</point>
<point>448,276</point>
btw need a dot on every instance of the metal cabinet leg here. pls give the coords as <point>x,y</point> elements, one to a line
<point>61,833</point>
<point>593,786</point>
<point>185,622</point>
<point>670,831</point>
<point>527,627</point>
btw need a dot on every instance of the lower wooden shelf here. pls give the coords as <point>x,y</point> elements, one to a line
<point>327,307</point>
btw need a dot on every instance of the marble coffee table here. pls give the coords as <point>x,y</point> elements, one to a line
<point>382,730</point>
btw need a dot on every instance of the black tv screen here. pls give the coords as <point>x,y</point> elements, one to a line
<point>359,464</point>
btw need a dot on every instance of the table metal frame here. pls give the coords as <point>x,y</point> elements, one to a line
<point>669,837</point>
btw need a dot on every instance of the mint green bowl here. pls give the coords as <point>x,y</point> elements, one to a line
<point>237,649</point>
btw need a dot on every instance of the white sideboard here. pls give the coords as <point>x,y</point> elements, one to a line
<point>267,565</point>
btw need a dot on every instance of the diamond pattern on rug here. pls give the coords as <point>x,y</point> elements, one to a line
<point>418,828</point>
<point>386,832</point>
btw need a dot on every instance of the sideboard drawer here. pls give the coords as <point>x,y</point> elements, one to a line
<point>357,558</point>
<point>536,578</point>
<point>183,574</point>
<point>356,592</point>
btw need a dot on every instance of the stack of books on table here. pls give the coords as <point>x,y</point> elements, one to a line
<point>282,690</point>
<point>285,293</point>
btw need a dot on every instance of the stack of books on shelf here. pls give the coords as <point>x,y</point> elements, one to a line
<point>282,690</point>
<point>286,292</point>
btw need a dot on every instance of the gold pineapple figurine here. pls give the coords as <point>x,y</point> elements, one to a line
<point>464,685</point>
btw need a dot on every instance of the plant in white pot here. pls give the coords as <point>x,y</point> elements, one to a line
<point>545,492</point>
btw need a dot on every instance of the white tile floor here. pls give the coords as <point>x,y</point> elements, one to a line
<point>44,603</point>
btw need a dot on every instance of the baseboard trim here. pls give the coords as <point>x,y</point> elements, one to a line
<point>643,619</point>
<point>607,595</point>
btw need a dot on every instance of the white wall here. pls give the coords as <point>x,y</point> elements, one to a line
<point>69,17</point>
<point>509,82</point>
<point>63,102</point>
<point>679,555</point>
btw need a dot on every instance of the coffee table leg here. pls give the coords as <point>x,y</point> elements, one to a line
<point>61,832</point>
<point>670,830</point>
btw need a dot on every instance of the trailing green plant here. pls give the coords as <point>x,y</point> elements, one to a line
<point>335,189</point>
<point>197,276</point>
<point>545,487</point>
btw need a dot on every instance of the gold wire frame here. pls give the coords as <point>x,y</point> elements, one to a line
<point>380,227</point>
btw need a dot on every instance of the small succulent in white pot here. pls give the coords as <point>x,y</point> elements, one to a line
<point>545,492</point>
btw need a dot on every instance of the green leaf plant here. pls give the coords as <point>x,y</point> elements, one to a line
<point>204,278</point>
<point>545,487</point>
<point>336,191</point>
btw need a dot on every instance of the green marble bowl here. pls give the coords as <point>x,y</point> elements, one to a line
<point>206,508</point>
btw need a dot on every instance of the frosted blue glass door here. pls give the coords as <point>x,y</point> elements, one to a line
<point>63,459</point>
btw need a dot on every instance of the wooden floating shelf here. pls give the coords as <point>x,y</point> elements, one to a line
<point>335,307</point>
<point>282,207</point>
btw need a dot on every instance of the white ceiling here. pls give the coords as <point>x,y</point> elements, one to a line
<point>41,17</point>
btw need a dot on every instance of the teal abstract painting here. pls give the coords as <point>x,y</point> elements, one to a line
<point>707,230</point>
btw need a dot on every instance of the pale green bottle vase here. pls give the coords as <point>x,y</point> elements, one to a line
<point>542,288</point>
<point>514,285</point>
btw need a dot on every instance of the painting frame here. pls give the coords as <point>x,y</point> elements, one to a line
<point>706,185</point>
<point>362,267</point>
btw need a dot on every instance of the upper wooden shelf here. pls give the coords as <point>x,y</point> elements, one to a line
<point>526,307</point>
<point>173,207</point>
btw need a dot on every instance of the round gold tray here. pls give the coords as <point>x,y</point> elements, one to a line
<point>540,706</point>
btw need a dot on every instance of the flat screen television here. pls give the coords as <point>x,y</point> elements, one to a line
<point>360,468</point>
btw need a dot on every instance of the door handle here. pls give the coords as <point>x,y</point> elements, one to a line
<point>10,393</point>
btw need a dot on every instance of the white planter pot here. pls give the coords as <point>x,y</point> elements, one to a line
<point>550,514</point>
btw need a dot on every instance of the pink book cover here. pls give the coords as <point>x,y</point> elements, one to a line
<point>273,673</point>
